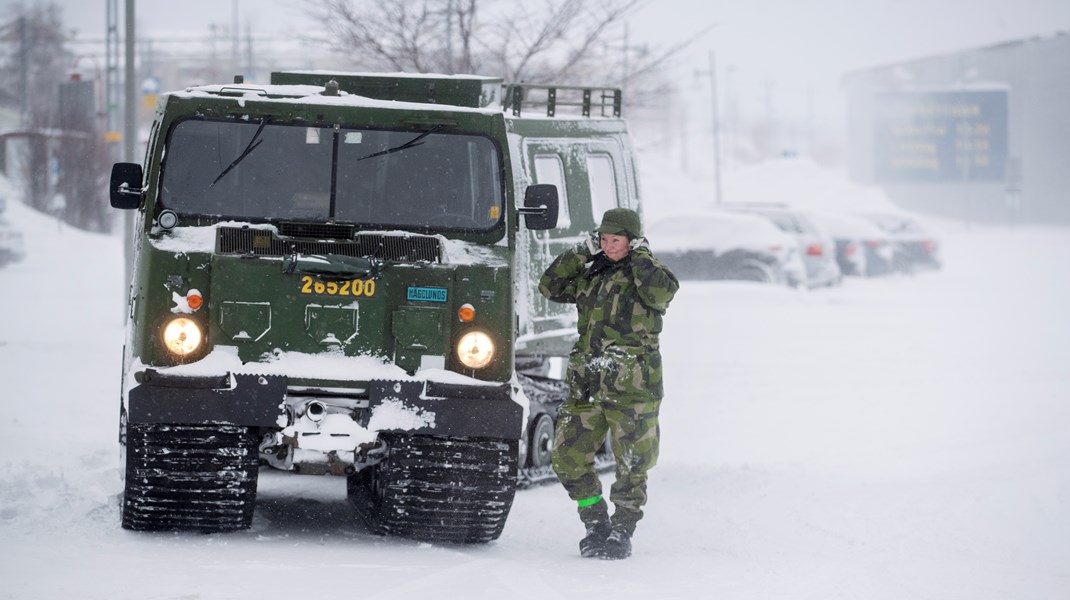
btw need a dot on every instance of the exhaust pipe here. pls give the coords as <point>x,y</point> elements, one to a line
<point>315,411</point>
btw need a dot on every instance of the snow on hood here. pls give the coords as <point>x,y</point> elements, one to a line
<point>459,252</point>
<point>224,359</point>
<point>202,239</point>
<point>197,239</point>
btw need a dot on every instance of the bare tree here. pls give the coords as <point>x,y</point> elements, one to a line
<point>61,165</point>
<point>33,59</point>
<point>539,41</point>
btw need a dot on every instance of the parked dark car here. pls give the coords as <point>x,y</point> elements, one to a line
<point>727,246</point>
<point>915,245</point>
<point>862,248</point>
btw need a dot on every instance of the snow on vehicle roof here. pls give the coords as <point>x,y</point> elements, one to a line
<point>396,75</point>
<point>715,230</point>
<point>845,226</point>
<point>312,95</point>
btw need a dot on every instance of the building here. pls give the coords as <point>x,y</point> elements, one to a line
<point>979,135</point>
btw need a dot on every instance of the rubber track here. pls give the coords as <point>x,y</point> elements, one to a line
<point>190,477</point>
<point>439,489</point>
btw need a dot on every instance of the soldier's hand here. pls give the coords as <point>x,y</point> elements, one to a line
<point>592,244</point>
<point>641,252</point>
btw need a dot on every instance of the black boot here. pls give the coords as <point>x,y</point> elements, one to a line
<point>594,543</point>
<point>617,546</point>
<point>596,519</point>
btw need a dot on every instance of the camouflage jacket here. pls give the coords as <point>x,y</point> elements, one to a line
<point>620,303</point>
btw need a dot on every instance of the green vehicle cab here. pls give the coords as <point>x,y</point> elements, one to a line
<point>335,273</point>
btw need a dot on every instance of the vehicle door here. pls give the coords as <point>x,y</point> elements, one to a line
<point>591,177</point>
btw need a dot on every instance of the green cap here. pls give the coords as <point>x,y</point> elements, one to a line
<point>621,221</point>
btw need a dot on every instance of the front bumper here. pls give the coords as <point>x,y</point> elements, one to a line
<point>454,410</point>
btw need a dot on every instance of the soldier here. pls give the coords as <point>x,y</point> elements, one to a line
<point>614,374</point>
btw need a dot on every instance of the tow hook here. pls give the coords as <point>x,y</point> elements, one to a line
<point>370,453</point>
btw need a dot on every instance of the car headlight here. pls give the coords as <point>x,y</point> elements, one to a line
<point>475,349</point>
<point>182,336</point>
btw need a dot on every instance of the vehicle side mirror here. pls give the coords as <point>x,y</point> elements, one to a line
<point>540,206</point>
<point>125,185</point>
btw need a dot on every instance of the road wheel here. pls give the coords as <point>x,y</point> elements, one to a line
<point>542,442</point>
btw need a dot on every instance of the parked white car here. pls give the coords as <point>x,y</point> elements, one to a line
<point>717,244</point>
<point>816,247</point>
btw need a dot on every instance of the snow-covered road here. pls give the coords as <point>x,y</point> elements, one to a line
<point>891,439</point>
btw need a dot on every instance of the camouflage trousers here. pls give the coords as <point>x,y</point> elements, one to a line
<point>614,395</point>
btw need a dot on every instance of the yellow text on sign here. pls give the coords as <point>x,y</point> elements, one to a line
<point>352,287</point>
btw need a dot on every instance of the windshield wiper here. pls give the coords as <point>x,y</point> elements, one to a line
<point>253,144</point>
<point>409,144</point>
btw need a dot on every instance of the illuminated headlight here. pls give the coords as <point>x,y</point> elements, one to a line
<point>475,349</point>
<point>182,336</point>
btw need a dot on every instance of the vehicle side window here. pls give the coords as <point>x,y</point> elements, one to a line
<point>786,223</point>
<point>550,169</point>
<point>603,182</point>
<point>152,143</point>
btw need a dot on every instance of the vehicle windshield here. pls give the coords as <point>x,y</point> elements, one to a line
<point>263,170</point>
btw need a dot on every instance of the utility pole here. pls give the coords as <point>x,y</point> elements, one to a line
<point>449,38</point>
<point>625,70</point>
<point>130,97</point>
<point>24,74</point>
<point>235,42</point>
<point>769,137</point>
<point>733,115</point>
<point>250,68</point>
<point>129,135</point>
<point>716,129</point>
<point>624,66</point>
<point>716,126</point>
<point>111,79</point>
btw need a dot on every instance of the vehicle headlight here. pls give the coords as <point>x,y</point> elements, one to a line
<point>182,336</point>
<point>475,349</point>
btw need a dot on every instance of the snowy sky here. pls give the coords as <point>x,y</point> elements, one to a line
<point>781,54</point>
<point>775,37</point>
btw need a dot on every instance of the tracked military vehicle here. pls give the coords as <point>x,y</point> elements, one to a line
<point>336,274</point>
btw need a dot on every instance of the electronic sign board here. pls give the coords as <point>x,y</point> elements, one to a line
<point>941,136</point>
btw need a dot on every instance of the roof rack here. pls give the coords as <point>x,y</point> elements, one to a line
<point>515,96</point>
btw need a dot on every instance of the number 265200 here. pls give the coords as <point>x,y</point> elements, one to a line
<point>352,287</point>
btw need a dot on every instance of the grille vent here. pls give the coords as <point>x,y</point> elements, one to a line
<point>320,231</point>
<point>260,242</point>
